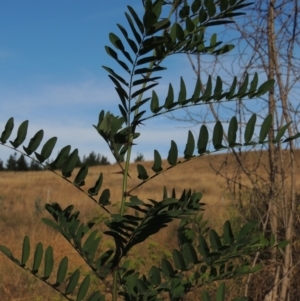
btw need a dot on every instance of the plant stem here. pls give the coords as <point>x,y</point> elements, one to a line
<point>128,153</point>
<point>114,290</point>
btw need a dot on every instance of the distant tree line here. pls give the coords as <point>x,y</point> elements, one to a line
<point>15,163</point>
<point>20,163</point>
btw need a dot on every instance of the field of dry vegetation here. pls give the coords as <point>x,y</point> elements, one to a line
<point>23,196</point>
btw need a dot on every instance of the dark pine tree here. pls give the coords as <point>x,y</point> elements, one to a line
<point>1,165</point>
<point>11,163</point>
<point>95,160</point>
<point>35,166</point>
<point>104,161</point>
<point>22,164</point>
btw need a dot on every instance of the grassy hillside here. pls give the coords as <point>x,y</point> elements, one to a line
<point>24,194</point>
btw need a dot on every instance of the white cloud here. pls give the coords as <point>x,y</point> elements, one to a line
<point>156,135</point>
<point>46,96</point>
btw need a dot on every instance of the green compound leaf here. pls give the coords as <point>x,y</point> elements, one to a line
<point>167,268</point>
<point>103,258</point>
<point>246,229</point>
<point>208,89</point>
<point>165,193</point>
<point>96,296</point>
<point>7,130</point>
<point>281,132</point>
<point>21,135</point>
<point>79,180</point>
<point>90,254</point>
<point>37,259</point>
<point>223,5</point>
<point>243,87</point>
<point>283,244</point>
<point>190,146</point>
<point>189,253</point>
<point>178,31</point>
<point>142,173</point>
<point>146,60</point>
<point>131,43</point>
<point>218,135</point>
<point>197,90</point>
<point>203,247</point>
<point>196,6</point>
<point>61,158</point>
<point>142,90</point>
<point>184,12</point>
<point>232,88</point>
<point>218,88</point>
<point>134,31</point>
<point>115,40</point>
<point>53,225</point>
<point>202,15</point>
<point>265,128</point>
<point>154,106</point>
<point>213,42</point>
<point>178,260</point>
<point>83,289</point>
<point>228,234</point>
<point>221,292</point>
<point>211,8</point>
<point>46,150</point>
<point>89,241</point>
<point>173,154</point>
<point>145,80</point>
<point>121,92</point>
<point>156,8</point>
<point>138,104</point>
<point>223,49</point>
<point>215,240</point>
<point>182,92</point>
<point>160,25</point>
<point>205,296</point>
<point>253,84</point>
<point>95,189</point>
<point>25,250</point>
<point>203,140</point>
<point>265,87</point>
<point>114,74</point>
<point>157,162</point>
<point>34,143</point>
<point>189,24</point>
<point>249,131</point>
<point>169,103</point>
<point>154,275</point>
<point>62,271</point>
<point>232,130</point>
<point>9,254</point>
<point>149,19</point>
<point>292,138</point>
<point>104,197</point>
<point>114,55</point>
<point>136,19</point>
<point>73,282</point>
<point>49,262</point>
<point>70,164</point>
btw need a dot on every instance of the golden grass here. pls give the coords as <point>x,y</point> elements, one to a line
<point>23,196</point>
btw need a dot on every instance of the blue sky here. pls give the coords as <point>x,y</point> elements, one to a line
<point>51,53</point>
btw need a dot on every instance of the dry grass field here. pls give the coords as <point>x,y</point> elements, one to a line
<point>23,196</point>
